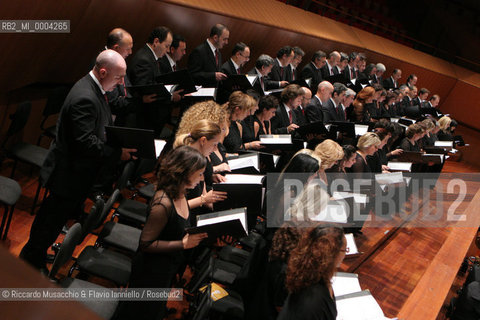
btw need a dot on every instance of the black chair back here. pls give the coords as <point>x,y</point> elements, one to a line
<point>127,174</point>
<point>93,218</point>
<point>108,206</point>
<point>55,100</point>
<point>19,118</point>
<point>72,239</point>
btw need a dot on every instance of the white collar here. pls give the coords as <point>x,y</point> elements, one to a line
<point>96,81</point>
<point>334,104</point>
<point>212,47</point>
<point>280,64</point>
<point>170,60</point>
<point>235,65</point>
<point>287,108</point>
<point>148,45</point>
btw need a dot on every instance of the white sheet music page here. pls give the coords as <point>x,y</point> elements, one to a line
<point>159,145</point>
<point>251,79</point>
<point>276,139</point>
<point>345,283</point>
<point>244,162</point>
<point>400,166</point>
<point>351,244</point>
<point>234,216</point>
<point>444,144</point>
<point>244,179</point>
<point>358,306</point>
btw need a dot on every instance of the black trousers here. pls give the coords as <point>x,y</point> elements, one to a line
<point>54,212</point>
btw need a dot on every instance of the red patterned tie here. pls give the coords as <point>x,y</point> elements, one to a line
<point>174,67</point>
<point>290,116</point>
<point>216,58</point>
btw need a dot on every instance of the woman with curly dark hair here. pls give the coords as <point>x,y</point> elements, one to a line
<point>163,238</point>
<point>310,270</point>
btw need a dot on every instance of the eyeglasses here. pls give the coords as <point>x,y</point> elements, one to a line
<point>347,250</point>
<point>246,57</point>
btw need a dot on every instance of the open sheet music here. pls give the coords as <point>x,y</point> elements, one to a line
<point>243,179</point>
<point>345,283</point>
<point>358,306</point>
<point>400,166</point>
<point>244,161</point>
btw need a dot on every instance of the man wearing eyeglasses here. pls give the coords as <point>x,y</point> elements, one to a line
<point>240,56</point>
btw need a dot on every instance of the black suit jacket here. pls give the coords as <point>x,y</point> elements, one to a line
<point>277,75</point>
<point>326,72</point>
<point>123,105</point>
<point>228,68</point>
<point>202,65</point>
<point>314,110</point>
<point>164,65</point>
<point>416,102</point>
<point>281,120</point>
<point>80,149</point>
<point>347,72</point>
<point>310,71</point>
<point>300,113</point>
<point>389,84</point>
<point>267,83</point>
<point>331,113</point>
<point>143,70</point>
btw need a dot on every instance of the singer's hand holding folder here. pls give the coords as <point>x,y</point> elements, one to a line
<point>222,223</point>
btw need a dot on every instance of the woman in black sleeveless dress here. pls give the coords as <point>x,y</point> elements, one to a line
<point>163,239</point>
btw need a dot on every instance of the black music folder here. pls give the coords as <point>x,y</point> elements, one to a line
<point>247,194</point>
<point>143,90</point>
<point>236,82</point>
<point>312,128</point>
<point>431,111</point>
<point>340,78</point>
<point>347,128</point>
<point>132,138</point>
<point>302,82</point>
<point>222,223</point>
<point>181,79</point>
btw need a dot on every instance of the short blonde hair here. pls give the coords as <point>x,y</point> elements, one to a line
<point>330,152</point>
<point>429,124</point>
<point>201,128</point>
<point>444,123</point>
<point>367,140</point>
<point>239,100</point>
<point>207,110</point>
